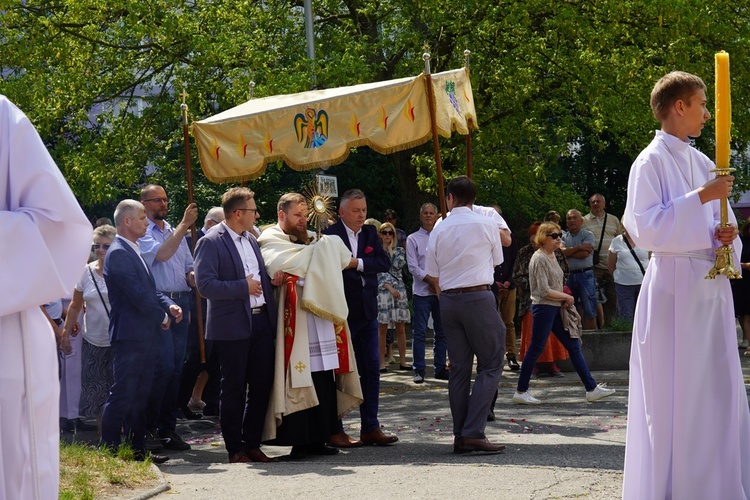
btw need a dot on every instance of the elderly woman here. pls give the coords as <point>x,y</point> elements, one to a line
<point>553,350</point>
<point>91,293</point>
<point>547,298</point>
<point>393,304</point>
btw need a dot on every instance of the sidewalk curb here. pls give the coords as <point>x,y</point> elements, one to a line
<point>159,488</point>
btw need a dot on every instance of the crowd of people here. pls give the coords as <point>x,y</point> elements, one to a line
<point>297,323</point>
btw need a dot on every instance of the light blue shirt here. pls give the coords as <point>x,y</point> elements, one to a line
<point>169,275</point>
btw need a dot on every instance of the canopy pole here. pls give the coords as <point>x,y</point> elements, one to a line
<point>435,140</point>
<point>467,53</point>
<point>193,234</point>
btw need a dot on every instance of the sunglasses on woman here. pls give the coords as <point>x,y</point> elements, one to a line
<point>554,236</point>
<point>95,247</point>
<point>386,233</point>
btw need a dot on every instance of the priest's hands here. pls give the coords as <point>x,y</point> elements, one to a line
<point>278,278</point>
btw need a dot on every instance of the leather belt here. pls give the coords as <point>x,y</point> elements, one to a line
<point>258,310</point>
<point>578,271</point>
<point>176,295</point>
<point>468,289</point>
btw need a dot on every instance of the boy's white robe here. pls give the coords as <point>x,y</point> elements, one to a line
<point>45,244</point>
<point>688,433</point>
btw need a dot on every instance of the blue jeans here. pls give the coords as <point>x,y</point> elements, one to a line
<point>583,287</point>
<point>423,306</point>
<point>627,296</point>
<point>162,402</point>
<point>546,319</point>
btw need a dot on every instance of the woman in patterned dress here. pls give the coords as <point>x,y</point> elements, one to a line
<point>393,304</point>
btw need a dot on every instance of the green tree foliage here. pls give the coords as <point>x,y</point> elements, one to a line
<point>561,88</point>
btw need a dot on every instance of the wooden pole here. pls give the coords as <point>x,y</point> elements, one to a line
<point>435,140</point>
<point>467,53</point>
<point>193,234</point>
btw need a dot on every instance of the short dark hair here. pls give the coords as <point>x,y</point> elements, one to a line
<point>390,213</point>
<point>672,87</point>
<point>289,199</point>
<point>463,190</point>
<point>235,198</point>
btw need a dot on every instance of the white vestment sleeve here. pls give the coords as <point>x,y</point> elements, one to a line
<point>47,235</point>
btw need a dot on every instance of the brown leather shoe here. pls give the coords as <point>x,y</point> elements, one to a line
<point>377,437</point>
<point>258,456</point>
<point>239,458</point>
<point>467,445</point>
<point>342,440</point>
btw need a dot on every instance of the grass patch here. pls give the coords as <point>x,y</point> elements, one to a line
<point>87,473</point>
<point>620,324</point>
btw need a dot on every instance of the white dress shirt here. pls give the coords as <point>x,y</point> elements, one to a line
<point>353,242</point>
<point>464,250</point>
<point>249,262</point>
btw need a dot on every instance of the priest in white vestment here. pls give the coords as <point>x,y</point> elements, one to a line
<point>48,240</point>
<point>688,431</point>
<point>316,378</point>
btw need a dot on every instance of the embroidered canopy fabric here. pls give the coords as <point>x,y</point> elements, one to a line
<point>317,128</point>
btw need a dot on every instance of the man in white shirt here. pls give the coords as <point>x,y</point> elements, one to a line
<point>461,255</point>
<point>425,300</point>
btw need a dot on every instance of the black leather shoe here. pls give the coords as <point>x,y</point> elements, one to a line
<point>83,426</point>
<point>190,414</point>
<point>140,456</point>
<point>443,374</point>
<point>491,415</point>
<point>513,364</point>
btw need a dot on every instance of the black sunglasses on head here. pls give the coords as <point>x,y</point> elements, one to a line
<point>554,236</point>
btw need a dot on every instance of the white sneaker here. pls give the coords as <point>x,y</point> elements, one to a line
<point>599,392</point>
<point>525,398</point>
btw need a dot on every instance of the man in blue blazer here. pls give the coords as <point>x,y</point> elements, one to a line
<point>241,323</point>
<point>139,316</point>
<point>361,290</point>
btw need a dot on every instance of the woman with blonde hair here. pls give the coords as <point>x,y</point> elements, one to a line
<point>547,300</point>
<point>393,304</point>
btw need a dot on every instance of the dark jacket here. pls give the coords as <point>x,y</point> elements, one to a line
<point>137,308</point>
<point>220,277</point>
<point>363,300</point>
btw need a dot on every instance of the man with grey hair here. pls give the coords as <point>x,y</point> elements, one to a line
<point>139,315</point>
<point>605,227</point>
<point>361,290</point>
<point>425,300</point>
<point>579,246</point>
<point>215,215</point>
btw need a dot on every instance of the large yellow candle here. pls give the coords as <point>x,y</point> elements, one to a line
<point>723,115</point>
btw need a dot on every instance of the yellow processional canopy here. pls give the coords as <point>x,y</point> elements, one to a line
<point>317,128</point>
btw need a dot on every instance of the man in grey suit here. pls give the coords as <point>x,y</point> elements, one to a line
<point>241,323</point>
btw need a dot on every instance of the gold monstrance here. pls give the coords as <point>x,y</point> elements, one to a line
<point>724,255</point>
<point>320,208</point>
